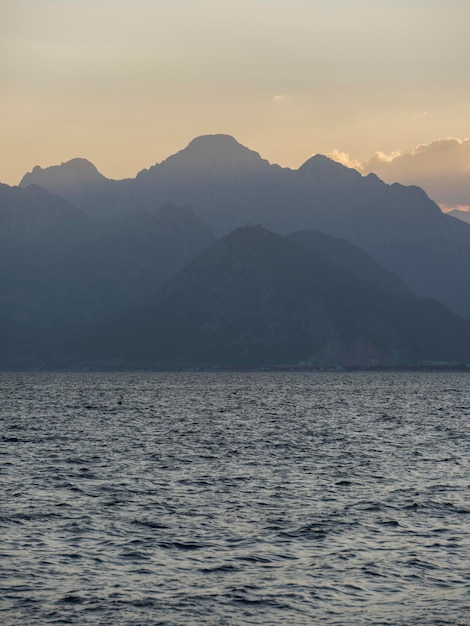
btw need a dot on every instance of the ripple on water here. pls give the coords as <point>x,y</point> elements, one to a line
<point>235,499</point>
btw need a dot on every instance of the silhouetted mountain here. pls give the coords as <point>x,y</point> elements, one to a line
<point>229,185</point>
<point>256,299</point>
<point>37,229</point>
<point>460,215</point>
<point>79,182</point>
<point>62,270</point>
<point>73,172</point>
<point>33,213</point>
<point>125,260</point>
<point>210,155</point>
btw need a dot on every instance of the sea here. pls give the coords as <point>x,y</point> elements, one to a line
<point>213,498</point>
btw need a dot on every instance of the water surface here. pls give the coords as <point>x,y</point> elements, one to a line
<point>313,498</point>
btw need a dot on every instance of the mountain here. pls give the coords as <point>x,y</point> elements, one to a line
<point>103,270</point>
<point>37,230</point>
<point>461,215</point>
<point>256,298</point>
<point>214,175</point>
<point>351,259</point>
<point>73,172</point>
<point>62,270</point>
<point>33,213</point>
<point>124,260</point>
<point>212,155</point>
<point>229,186</point>
<point>80,183</point>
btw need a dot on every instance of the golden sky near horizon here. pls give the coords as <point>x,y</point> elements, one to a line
<point>126,83</point>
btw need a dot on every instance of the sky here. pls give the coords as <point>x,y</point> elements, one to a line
<point>380,85</point>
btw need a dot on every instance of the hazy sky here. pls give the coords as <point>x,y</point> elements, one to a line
<point>126,83</point>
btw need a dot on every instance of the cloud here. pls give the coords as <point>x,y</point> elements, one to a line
<point>452,207</point>
<point>280,97</point>
<point>345,159</point>
<point>441,168</point>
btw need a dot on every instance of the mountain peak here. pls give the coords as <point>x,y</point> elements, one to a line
<point>74,171</point>
<point>220,152</point>
<point>322,164</point>
<point>216,153</point>
<point>209,142</point>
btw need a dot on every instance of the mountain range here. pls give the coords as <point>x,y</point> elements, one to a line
<point>228,185</point>
<point>215,257</point>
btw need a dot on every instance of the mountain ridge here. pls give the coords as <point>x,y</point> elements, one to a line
<point>76,170</point>
<point>399,226</point>
<point>460,215</point>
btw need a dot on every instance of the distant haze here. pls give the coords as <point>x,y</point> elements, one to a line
<point>126,83</point>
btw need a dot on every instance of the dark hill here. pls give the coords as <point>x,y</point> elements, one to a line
<point>256,299</point>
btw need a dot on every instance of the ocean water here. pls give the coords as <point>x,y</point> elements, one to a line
<point>235,498</point>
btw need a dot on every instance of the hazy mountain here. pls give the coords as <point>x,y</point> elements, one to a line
<point>33,213</point>
<point>79,182</point>
<point>214,174</point>
<point>73,172</point>
<point>37,230</point>
<point>110,268</point>
<point>125,260</point>
<point>255,298</point>
<point>62,270</point>
<point>461,215</point>
<point>229,185</point>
